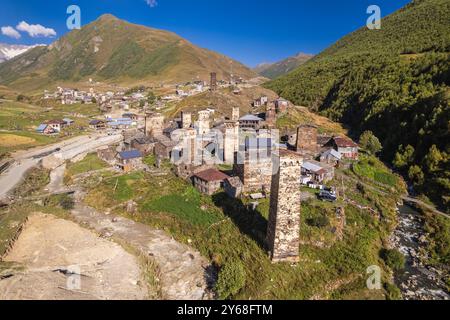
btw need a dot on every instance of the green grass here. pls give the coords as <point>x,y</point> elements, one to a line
<point>373,169</point>
<point>90,163</point>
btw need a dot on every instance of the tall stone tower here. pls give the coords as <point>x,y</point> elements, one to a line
<point>213,83</point>
<point>154,124</point>
<point>271,116</point>
<point>307,139</point>
<point>203,122</point>
<point>231,141</point>
<point>186,120</point>
<point>235,114</point>
<point>283,232</point>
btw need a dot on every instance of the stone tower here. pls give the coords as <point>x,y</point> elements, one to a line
<point>213,84</point>
<point>235,114</point>
<point>154,124</point>
<point>186,120</point>
<point>283,232</point>
<point>271,116</point>
<point>203,122</point>
<point>231,141</point>
<point>307,139</point>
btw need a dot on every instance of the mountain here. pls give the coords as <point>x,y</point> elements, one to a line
<point>274,70</point>
<point>110,49</point>
<point>9,51</point>
<point>394,82</point>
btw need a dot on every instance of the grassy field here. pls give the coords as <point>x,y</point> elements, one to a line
<point>369,168</point>
<point>226,230</point>
<point>19,120</point>
<point>90,163</point>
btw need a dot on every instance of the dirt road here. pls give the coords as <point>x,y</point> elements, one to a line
<point>25,160</point>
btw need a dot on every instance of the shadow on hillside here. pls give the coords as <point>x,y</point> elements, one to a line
<point>249,222</point>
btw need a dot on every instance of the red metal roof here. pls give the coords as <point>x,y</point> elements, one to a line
<point>344,142</point>
<point>211,175</point>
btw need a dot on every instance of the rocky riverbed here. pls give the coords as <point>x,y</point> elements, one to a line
<point>418,281</point>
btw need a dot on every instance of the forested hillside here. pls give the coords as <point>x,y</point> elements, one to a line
<point>393,81</point>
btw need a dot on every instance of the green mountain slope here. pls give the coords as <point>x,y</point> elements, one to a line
<point>112,49</point>
<point>393,81</point>
<point>274,70</point>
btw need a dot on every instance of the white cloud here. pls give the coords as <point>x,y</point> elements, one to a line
<point>10,32</point>
<point>152,3</point>
<point>36,30</point>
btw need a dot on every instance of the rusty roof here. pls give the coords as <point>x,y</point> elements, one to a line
<point>211,175</point>
<point>344,142</point>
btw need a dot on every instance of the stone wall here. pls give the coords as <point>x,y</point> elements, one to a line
<point>307,139</point>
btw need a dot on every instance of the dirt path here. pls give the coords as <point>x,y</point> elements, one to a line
<point>64,261</point>
<point>56,179</point>
<point>184,273</point>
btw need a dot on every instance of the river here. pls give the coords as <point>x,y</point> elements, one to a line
<point>418,281</point>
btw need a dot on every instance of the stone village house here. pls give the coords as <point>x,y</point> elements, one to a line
<point>128,161</point>
<point>209,181</point>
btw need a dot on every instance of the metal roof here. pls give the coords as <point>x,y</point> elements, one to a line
<point>132,154</point>
<point>250,117</point>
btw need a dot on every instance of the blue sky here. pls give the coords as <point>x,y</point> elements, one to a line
<point>251,31</point>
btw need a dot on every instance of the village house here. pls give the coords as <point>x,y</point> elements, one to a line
<point>146,145</point>
<point>97,124</point>
<point>129,160</point>
<point>261,101</point>
<point>313,171</point>
<point>57,125</point>
<point>281,105</point>
<point>68,122</point>
<point>121,123</point>
<point>209,181</point>
<point>46,129</point>
<point>331,157</point>
<point>131,116</point>
<point>107,154</point>
<point>233,187</point>
<point>250,122</point>
<point>346,147</point>
<point>164,147</point>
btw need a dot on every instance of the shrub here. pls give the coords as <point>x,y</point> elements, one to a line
<point>392,292</point>
<point>394,259</point>
<point>231,279</point>
<point>66,202</point>
<point>319,221</point>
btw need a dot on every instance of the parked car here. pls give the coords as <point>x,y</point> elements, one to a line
<point>327,196</point>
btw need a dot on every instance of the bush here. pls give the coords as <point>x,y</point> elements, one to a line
<point>66,202</point>
<point>394,259</point>
<point>231,280</point>
<point>370,142</point>
<point>392,292</point>
<point>319,222</point>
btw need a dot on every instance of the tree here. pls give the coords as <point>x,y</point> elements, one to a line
<point>231,279</point>
<point>416,175</point>
<point>370,142</point>
<point>404,157</point>
<point>394,259</point>
<point>433,158</point>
